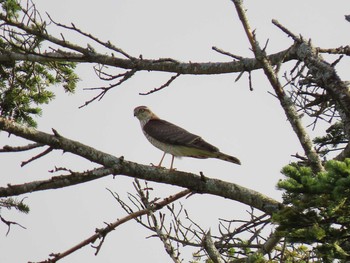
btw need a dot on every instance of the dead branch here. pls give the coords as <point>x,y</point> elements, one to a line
<point>166,84</point>
<point>107,44</point>
<point>103,232</point>
<point>123,77</point>
<point>210,248</point>
<point>155,224</point>
<point>28,147</point>
<point>9,223</point>
<point>47,151</point>
<point>124,167</point>
<point>285,101</point>
<point>55,182</point>
<point>226,53</point>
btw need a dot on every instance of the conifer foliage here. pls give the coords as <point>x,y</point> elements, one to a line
<point>317,208</point>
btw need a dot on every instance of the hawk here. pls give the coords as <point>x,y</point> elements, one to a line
<point>175,140</point>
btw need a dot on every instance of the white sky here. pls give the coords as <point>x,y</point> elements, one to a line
<point>248,125</point>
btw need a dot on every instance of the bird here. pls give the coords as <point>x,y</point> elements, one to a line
<point>175,140</point>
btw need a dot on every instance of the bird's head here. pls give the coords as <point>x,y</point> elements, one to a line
<point>144,114</point>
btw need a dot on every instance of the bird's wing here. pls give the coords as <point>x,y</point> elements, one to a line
<point>169,133</point>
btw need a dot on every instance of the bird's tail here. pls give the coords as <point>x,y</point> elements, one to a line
<point>228,158</point>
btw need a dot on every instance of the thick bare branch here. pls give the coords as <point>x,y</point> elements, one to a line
<point>76,53</point>
<point>203,68</point>
<point>209,246</point>
<point>285,101</point>
<point>123,167</point>
<point>55,182</point>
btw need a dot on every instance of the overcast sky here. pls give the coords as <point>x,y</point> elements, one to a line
<point>247,124</point>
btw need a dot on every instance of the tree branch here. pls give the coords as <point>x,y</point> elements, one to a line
<point>28,147</point>
<point>107,44</point>
<point>55,182</point>
<point>285,101</point>
<point>47,151</point>
<point>9,223</point>
<point>161,175</point>
<point>166,84</point>
<point>209,246</point>
<point>156,225</point>
<point>266,248</point>
<point>101,233</point>
<point>80,54</point>
<point>203,68</point>
<point>324,75</point>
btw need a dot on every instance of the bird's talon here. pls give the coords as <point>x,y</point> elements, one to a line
<point>157,166</point>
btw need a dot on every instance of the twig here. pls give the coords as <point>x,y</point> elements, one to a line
<point>156,226</point>
<point>239,76</point>
<point>107,44</point>
<point>34,31</point>
<point>227,53</point>
<point>9,223</point>
<point>250,81</point>
<point>47,151</point>
<point>298,156</point>
<point>101,233</point>
<point>127,75</point>
<point>285,30</point>
<point>163,86</point>
<point>23,148</point>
